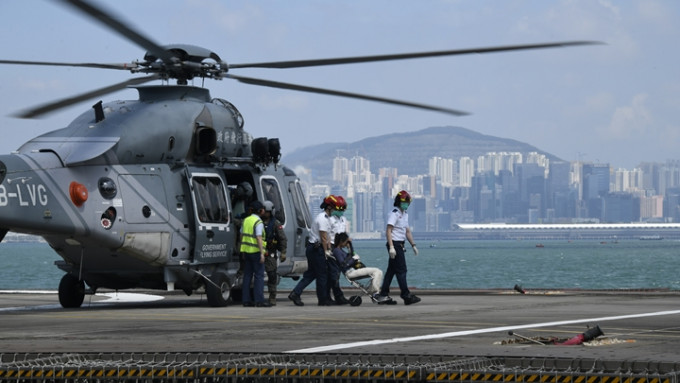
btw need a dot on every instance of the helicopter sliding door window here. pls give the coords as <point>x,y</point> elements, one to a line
<point>301,209</point>
<point>272,192</point>
<point>211,199</point>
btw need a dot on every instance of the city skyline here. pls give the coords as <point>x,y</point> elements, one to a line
<point>510,187</point>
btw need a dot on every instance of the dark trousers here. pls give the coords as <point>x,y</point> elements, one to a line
<point>316,270</point>
<point>334,280</point>
<point>253,270</point>
<point>396,267</point>
<point>271,268</point>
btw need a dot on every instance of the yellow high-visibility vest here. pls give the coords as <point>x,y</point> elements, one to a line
<point>248,237</point>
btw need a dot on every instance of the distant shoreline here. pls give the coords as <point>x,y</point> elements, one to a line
<point>22,238</point>
<point>491,232</point>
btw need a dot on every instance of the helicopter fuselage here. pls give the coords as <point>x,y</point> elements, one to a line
<point>141,194</point>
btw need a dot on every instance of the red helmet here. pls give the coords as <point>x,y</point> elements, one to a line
<point>402,196</point>
<point>341,204</point>
<point>331,201</point>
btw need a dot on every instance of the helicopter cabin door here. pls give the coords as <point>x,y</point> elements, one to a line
<point>214,237</point>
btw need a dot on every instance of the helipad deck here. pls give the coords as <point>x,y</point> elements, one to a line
<point>449,336</point>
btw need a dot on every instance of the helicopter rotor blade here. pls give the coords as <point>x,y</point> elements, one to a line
<point>121,28</point>
<point>402,56</point>
<point>52,106</point>
<point>124,66</point>
<point>302,88</point>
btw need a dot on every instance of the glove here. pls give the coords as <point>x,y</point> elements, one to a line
<point>355,257</point>
<point>282,257</point>
<point>393,253</point>
<point>415,250</point>
<point>328,253</point>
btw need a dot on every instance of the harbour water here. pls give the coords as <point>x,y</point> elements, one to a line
<point>584,264</point>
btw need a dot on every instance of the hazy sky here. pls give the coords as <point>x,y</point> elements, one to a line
<point>617,103</point>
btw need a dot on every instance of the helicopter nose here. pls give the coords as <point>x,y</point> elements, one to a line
<point>3,171</point>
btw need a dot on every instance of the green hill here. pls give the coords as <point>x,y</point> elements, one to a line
<point>408,152</point>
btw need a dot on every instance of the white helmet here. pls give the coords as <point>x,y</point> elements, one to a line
<point>269,206</point>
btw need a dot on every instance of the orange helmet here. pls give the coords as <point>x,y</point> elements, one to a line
<point>402,196</point>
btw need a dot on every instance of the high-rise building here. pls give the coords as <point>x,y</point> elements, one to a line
<point>671,205</point>
<point>359,165</point>
<point>340,168</point>
<point>430,186</point>
<point>364,211</point>
<point>444,169</point>
<point>621,207</point>
<point>560,194</point>
<point>629,181</point>
<point>466,169</point>
<point>651,208</point>
<point>595,180</point>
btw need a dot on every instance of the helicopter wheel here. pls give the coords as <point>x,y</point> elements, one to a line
<point>218,297</point>
<point>71,292</point>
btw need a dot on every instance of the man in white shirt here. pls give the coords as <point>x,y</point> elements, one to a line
<point>318,247</point>
<point>397,232</point>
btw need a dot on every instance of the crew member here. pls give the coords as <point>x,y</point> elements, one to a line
<point>318,248</point>
<point>276,243</point>
<point>397,232</point>
<point>253,250</point>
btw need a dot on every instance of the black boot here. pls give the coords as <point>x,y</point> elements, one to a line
<point>295,298</point>
<point>411,299</point>
<point>341,300</point>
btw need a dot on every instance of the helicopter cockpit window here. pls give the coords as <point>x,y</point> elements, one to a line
<point>272,192</point>
<point>211,200</point>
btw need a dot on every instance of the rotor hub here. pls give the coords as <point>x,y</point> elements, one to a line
<point>185,62</point>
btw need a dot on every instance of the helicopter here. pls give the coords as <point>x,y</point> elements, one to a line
<point>147,193</point>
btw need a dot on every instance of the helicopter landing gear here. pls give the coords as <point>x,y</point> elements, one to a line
<point>71,292</point>
<point>219,291</point>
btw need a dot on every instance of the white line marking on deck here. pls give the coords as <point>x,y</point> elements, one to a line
<point>478,331</point>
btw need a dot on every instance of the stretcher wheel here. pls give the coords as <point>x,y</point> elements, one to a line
<point>355,300</point>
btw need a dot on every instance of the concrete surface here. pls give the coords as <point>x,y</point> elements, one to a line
<point>638,326</point>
